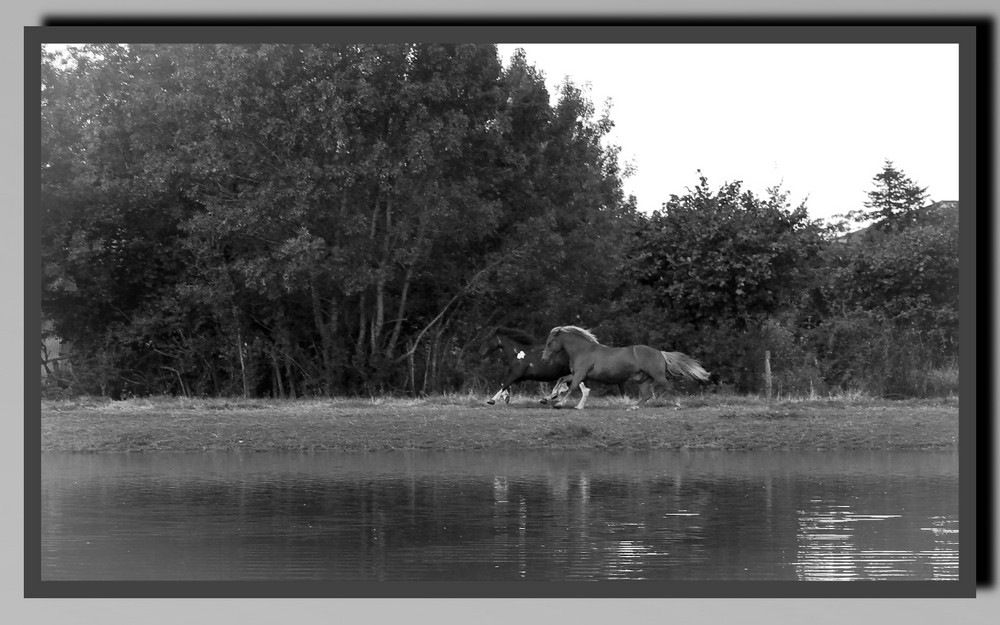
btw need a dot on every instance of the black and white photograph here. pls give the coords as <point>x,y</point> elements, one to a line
<point>353,310</point>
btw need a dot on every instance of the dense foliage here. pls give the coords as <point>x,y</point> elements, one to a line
<point>282,220</point>
<point>712,270</point>
<point>891,295</point>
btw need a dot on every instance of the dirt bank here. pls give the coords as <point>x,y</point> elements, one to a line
<point>464,422</point>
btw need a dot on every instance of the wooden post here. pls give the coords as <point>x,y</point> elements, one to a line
<point>243,366</point>
<point>767,373</point>
<point>413,368</point>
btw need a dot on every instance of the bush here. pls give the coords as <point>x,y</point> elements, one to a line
<point>942,381</point>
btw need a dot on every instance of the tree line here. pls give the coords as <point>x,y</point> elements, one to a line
<point>316,220</point>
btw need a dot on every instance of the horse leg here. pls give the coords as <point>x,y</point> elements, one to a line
<point>645,393</point>
<point>554,392</point>
<point>577,380</point>
<point>559,387</point>
<point>670,392</point>
<point>583,400</point>
<point>665,384</point>
<point>503,392</point>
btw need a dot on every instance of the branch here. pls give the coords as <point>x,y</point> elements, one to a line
<point>48,360</point>
<point>472,281</point>
<point>178,374</point>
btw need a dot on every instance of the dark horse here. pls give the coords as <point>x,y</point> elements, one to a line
<point>592,361</point>
<point>523,355</point>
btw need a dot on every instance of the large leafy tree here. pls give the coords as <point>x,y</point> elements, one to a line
<point>109,218</point>
<point>713,267</point>
<point>303,219</point>
<point>727,254</point>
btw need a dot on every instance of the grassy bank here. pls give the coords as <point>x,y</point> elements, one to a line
<point>465,422</point>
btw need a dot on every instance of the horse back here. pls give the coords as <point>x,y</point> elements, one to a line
<point>618,364</point>
<point>603,363</point>
<point>532,367</point>
<point>649,358</point>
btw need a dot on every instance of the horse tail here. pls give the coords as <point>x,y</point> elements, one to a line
<point>683,365</point>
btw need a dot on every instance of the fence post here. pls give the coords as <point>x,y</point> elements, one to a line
<point>767,373</point>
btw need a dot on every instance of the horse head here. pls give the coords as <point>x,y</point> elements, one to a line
<point>559,334</point>
<point>553,343</point>
<point>490,344</point>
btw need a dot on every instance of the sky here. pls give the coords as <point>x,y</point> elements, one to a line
<point>817,119</point>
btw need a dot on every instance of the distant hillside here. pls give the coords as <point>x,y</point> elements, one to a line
<point>871,234</point>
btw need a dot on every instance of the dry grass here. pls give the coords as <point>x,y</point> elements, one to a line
<point>465,422</point>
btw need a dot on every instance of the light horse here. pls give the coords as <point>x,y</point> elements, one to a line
<point>523,355</point>
<point>592,361</point>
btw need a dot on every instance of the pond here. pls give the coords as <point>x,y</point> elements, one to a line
<point>501,516</point>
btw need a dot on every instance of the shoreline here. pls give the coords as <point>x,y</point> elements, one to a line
<point>466,423</point>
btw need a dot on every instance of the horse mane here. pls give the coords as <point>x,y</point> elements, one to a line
<point>577,330</point>
<point>517,336</point>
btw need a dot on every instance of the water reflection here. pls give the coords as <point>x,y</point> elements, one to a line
<point>496,516</point>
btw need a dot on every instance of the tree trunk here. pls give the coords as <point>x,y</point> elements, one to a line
<point>427,368</point>
<point>326,331</point>
<point>359,345</point>
<point>412,373</point>
<point>384,269</point>
<point>417,252</point>
<point>279,390</point>
<point>243,366</point>
<point>289,378</point>
<point>767,373</point>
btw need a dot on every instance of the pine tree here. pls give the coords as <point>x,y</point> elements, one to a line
<point>895,202</point>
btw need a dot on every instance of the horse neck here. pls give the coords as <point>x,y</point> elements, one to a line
<point>573,344</point>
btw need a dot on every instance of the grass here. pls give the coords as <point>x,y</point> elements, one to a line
<point>463,421</point>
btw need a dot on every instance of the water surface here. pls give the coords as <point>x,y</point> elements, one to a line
<point>500,516</point>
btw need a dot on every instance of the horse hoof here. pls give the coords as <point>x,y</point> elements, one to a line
<point>543,401</point>
<point>490,402</point>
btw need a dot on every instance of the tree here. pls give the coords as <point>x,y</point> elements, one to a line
<point>712,267</point>
<point>891,292</point>
<point>109,222</point>
<point>728,255</point>
<point>287,220</point>
<point>895,202</point>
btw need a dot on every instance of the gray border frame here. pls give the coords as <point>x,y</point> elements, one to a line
<point>969,33</point>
